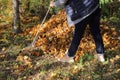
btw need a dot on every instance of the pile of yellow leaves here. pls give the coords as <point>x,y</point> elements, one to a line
<point>55,36</point>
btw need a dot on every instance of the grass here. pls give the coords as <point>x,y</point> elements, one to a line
<point>85,69</point>
<point>45,67</point>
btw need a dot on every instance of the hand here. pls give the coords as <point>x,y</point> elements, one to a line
<point>52,4</point>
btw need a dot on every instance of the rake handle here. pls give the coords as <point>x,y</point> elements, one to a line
<point>36,36</point>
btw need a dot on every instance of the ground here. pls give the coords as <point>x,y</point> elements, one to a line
<point>39,63</point>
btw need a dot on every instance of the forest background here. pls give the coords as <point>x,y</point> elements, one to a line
<point>54,38</point>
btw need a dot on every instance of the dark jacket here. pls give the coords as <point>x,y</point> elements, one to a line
<point>80,8</point>
<point>77,10</point>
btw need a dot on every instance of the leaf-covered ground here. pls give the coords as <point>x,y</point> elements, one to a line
<point>40,63</point>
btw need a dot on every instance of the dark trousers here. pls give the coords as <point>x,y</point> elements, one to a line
<point>94,22</point>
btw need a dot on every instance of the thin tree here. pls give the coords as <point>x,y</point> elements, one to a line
<point>16,26</point>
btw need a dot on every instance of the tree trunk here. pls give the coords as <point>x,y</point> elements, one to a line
<point>16,26</point>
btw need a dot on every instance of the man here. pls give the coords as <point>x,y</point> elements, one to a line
<point>80,13</point>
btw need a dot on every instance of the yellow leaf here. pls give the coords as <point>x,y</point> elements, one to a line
<point>111,60</point>
<point>15,66</point>
<point>118,70</point>
<point>3,49</point>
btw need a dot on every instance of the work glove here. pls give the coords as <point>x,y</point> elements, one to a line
<point>52,4</point>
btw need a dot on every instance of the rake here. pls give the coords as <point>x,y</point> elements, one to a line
<point>36,36</point>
